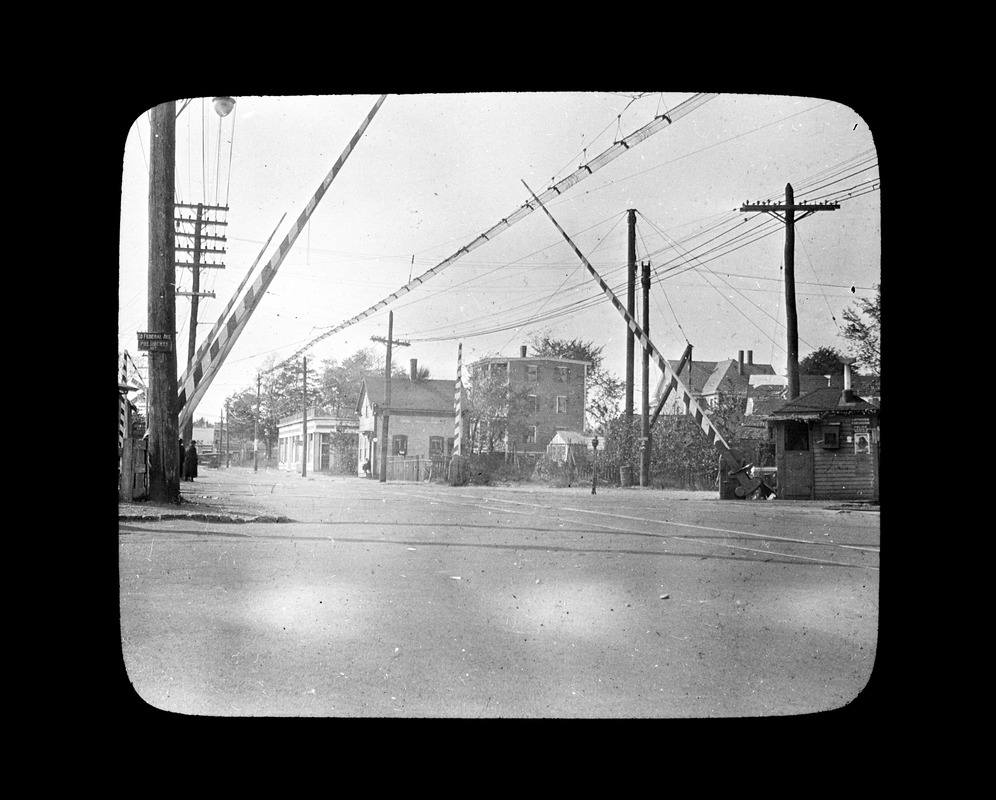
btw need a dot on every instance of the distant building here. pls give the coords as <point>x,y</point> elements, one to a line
<point>323,455</point>
<point>555,390</point>
<point>709,381</point>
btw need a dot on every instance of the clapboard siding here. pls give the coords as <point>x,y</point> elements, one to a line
<point>842,474</point>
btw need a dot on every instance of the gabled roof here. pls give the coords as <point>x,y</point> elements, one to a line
<point>707,377</point>
<point>427,395</point>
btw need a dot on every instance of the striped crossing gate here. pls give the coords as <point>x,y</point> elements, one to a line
<point>196,380</point>
<point>657,124</point>
<point>733,460</point>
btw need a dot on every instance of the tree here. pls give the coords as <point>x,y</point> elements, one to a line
<point>340,381</point>
<point>823,361</point>
<point>865,335</point>
<point>604,391</point>
<point>493,402</point>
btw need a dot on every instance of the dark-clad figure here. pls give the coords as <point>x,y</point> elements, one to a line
<point>182,456</point>
<point>190,462</point>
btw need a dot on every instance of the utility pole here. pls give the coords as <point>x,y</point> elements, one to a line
<point>164,468</point>
<point>255,461</point>
<point>386,415</point>
<point>630,337</point>
<point>304,424</point>
<point>195,294</point>
<point>645,385</point>
<point>789,209</point>
<point>228,437</point>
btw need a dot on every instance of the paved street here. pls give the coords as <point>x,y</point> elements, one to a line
<point>425,600</point>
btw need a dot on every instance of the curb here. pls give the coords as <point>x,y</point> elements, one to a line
<point>200,518</point>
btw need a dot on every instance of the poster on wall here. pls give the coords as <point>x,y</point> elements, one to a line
<point>862,438</point>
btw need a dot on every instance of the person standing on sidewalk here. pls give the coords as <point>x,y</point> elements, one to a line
<point>182,457</point>
<point>190,462</point>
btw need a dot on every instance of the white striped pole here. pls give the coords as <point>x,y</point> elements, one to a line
<point>122,400</point>
<point>582,172</point>
<point>458,405</point>
<point>691,404</point>
<point>197,382</point>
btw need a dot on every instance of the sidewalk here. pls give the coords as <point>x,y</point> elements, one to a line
<point>199,500</point>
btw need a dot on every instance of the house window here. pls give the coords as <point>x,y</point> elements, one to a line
<point>532,404</point>
<point>399,445</point>
<point>436,444</point>
<point>530,437</point>
<point>532,372</point>
<point>563,374</point>
<point>561,404</point>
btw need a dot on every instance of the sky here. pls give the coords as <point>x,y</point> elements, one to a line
<point>434,171</point>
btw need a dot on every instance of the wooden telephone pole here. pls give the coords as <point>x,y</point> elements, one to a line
<point>164,466</point>
<point>789,209</point>
<point>197,250</point>
<point>255,442</point>
<point>645,384</point>
<point>630,338</point>
<point>386,415</point>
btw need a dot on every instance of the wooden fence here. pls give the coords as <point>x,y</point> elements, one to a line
<point>416,468</point>
<point>133,470</point>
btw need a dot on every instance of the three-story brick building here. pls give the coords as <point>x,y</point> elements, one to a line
<point>549,392</point>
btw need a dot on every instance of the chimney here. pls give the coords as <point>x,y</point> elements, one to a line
<point>522,351</point>
<point>750,358</point>
<point>740,363</point>
<point>847,396</point>
<point>414,368</point>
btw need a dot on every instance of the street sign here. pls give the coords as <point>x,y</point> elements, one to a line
<point>159,342</point>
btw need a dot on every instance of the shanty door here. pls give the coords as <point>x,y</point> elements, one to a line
<point>795,478</point>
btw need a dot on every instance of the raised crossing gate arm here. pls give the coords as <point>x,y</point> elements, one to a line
<point>733,459</point>
<point>199,378</point>
<point>582,172</point>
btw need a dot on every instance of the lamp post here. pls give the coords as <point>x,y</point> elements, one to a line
<point>594,464</point>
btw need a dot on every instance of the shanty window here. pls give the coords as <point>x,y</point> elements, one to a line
<point>436,444</point>
<point>399,445</point>
<point>831,436</point>
<point>561,404</point>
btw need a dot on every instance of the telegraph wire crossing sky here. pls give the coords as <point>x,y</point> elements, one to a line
<point>432,172</point>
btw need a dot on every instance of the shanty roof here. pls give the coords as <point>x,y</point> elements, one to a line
<point>821,402</point>
<point>426,395</point>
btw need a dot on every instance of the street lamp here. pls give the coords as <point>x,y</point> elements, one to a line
<point>223,105</point>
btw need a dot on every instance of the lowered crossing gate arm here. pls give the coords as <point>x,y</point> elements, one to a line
<point>736,464</point>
